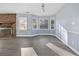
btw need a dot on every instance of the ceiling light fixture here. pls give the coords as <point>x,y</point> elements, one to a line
<point>43,7</point>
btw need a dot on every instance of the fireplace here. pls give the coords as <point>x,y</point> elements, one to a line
<point>5,32</point>
<point>7,25</point>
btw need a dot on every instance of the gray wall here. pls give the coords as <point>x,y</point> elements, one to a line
<point>73,40</point>
<point>65,18</point>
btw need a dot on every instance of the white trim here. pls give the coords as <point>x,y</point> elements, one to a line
<point>51,35</point>
<point>53,24</point>
<point>44,20</point>
<point>73,49</point>
<point>21,19</point>
<point>68,45</point>
<point>25,35</point>
<point>47,34</point>
<point>36,19</point>
<point>73,32</point>
<point>33,35</point>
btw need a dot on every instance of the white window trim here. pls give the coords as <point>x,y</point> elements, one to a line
<point>25,25</point>
<point>50,23</point>
<point>43,19</point>
<point>36,23</point>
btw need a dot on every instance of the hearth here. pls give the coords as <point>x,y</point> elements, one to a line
<point>5,32</point>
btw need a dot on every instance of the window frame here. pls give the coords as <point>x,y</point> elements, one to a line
<point>25,25</point>
<point>43,19</point>
<point>36,23</point>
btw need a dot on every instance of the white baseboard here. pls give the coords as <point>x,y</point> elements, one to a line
<point>73,50</point>
<point>25,35</point>
<point>68,45</point>
<point>52,35</point>
<point>33,35</point>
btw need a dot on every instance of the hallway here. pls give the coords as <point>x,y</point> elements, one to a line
<point>12,46</point>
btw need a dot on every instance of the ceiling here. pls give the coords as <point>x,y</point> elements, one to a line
<point>32,8</point>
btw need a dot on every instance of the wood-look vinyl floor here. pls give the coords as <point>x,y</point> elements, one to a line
<point>12,46</point>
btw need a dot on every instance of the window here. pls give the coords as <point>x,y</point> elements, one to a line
<point>44,24</point>
<point>34,23</point>
<point>52,24</point>
<point>23,24</point>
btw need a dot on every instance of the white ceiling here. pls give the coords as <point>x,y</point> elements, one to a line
<point>33,8</point>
